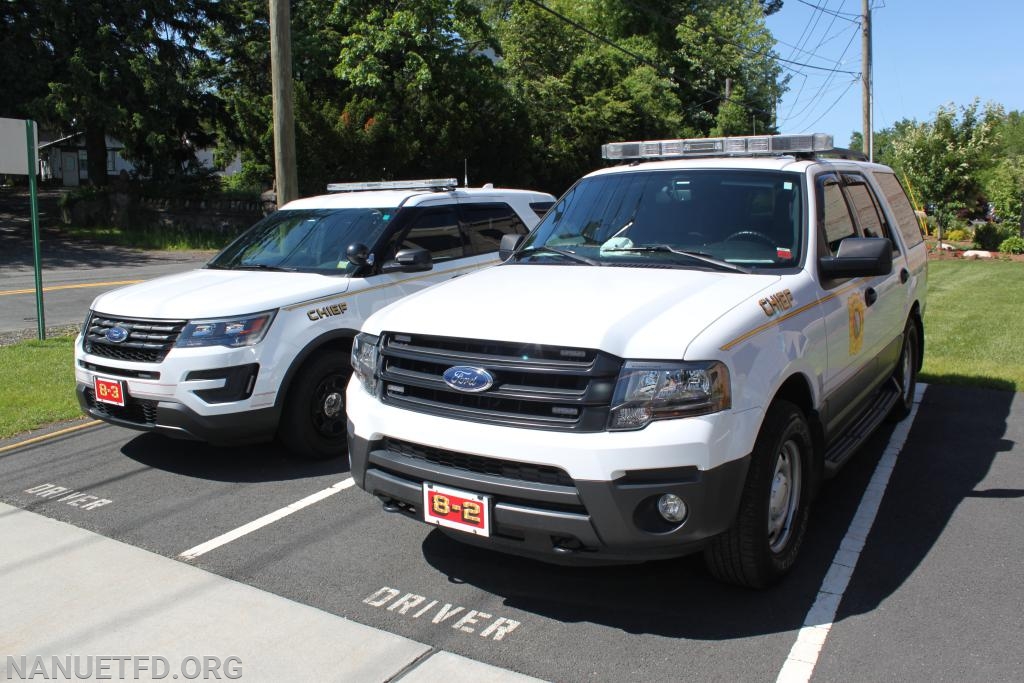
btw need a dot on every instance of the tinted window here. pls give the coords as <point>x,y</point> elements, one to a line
<point>437,231</point>
<point>485,224</point>
<point>868,215</point>
<point>834,214</point>
<point>903,212</point>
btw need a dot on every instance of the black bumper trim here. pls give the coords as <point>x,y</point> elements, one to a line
<point>180,422</point>
<point>593,522</point>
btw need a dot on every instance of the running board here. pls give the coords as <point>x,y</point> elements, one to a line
<point>841,451</point>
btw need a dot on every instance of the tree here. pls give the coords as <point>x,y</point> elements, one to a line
<point>945,158</point>
<point>126,69</point>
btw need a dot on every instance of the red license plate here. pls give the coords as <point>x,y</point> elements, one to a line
<point>455,509</point>
<point>109,390</point>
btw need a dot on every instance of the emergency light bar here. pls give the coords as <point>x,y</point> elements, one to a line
<point>750,145</point>
<point>426,184</point>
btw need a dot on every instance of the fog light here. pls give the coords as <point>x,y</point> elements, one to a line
<point>672,508</point>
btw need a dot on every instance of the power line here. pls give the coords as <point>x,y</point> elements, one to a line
<point>848,16</point>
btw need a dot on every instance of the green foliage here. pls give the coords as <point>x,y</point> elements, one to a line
<point>131,70</point>
<point>989,236</point>
<point>1012,245</point>
<point>957,235</point>
<point>943,158</point>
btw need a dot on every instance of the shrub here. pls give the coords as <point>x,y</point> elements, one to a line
<point>957,235</point>
<point>1012,245</point>
<point>988,236</point>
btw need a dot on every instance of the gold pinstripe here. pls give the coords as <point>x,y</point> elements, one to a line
<point>797,311</point>
<point>345,295</point>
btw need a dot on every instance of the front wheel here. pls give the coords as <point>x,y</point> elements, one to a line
<point>313,424</point>
<point>763,542</point>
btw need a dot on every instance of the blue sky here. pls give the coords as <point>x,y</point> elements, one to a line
<point>926,54</point>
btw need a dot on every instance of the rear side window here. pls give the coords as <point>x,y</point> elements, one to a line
<point>437,231</point>
<point>903,212</point>
<point>485,224</point>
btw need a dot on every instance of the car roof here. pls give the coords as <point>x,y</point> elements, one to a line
<point>770,163</point>
<point>392,198</point>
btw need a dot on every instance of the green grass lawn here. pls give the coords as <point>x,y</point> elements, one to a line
<point>37,385</point>
<point>164,239</point>
<point>974,324</point>
<point>974,335</point>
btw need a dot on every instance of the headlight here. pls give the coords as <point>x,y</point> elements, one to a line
<point>364,361</point>
<point>651,390</point>
<point>243,330</point>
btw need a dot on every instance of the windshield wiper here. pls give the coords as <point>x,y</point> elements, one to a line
<point>260,266</point>
<point>561,252</point>
<point>695,255</point>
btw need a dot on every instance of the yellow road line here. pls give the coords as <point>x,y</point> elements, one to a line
<point>83,285</point>
<point>51,435</point>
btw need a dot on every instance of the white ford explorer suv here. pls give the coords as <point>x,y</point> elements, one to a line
<point>257,342</point>
<point>670,362</point>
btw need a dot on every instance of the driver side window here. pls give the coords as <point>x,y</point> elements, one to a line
<point>834,219</point>
<point>437,231</point>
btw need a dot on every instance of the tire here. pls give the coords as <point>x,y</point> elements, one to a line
<point>313,423</point>
<point>763,542</point>
<point>905,373</point>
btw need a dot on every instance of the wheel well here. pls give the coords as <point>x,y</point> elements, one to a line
<point>797,390</point>
<point>339,342</point>
<point>915,315</point>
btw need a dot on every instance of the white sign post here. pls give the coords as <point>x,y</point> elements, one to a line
<point>19,141</point>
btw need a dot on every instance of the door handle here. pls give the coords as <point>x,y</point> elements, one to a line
<point>870,296</point>
<point>904,275</point>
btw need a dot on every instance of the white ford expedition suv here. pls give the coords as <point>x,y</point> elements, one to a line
<point>670,362</point>
<point>257,342</point>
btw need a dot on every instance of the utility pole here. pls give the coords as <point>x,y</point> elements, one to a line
<point>281,90</point>
<point>865,75</point>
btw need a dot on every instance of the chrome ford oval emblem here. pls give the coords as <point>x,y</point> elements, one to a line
<point>467,378</point>
<point>116,335</point>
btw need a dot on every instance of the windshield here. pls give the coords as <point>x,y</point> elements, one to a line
<point>308,241</point>
<point>677,218</point>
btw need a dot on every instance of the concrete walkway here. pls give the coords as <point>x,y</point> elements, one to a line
<point>73,598</point>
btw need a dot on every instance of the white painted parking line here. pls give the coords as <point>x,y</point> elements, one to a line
<point>803,657</point>
<point>263,521</point>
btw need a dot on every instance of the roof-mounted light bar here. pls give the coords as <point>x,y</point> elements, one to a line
<point>750,145</point>
<point>436,184</point>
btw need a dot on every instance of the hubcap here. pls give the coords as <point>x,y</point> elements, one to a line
<point>784,497</point>
<point>908,372</point>
<point>328,407</point>
<point>332,404</point>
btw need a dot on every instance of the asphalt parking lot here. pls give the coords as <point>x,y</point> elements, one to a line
<point>934,596</point>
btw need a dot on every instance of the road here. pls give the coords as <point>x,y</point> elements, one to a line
<point>73,272</point>
<point>935,594</point>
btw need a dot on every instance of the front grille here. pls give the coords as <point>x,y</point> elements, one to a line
<point>148,341</point>
<point>135,410</point>
<point>537,474</point>
<point>119,372</point>
<point>535,386</point>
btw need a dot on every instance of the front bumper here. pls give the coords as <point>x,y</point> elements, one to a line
<point>218,395</point>
<point>541,512</point>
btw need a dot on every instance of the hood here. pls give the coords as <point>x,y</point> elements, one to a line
<point>642,313</point>
<point>209,293</point>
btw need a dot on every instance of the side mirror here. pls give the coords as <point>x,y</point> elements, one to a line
<point>858,257</point>
<point>358,254</point>
<point>409,261</point>
<point>509,243</point>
